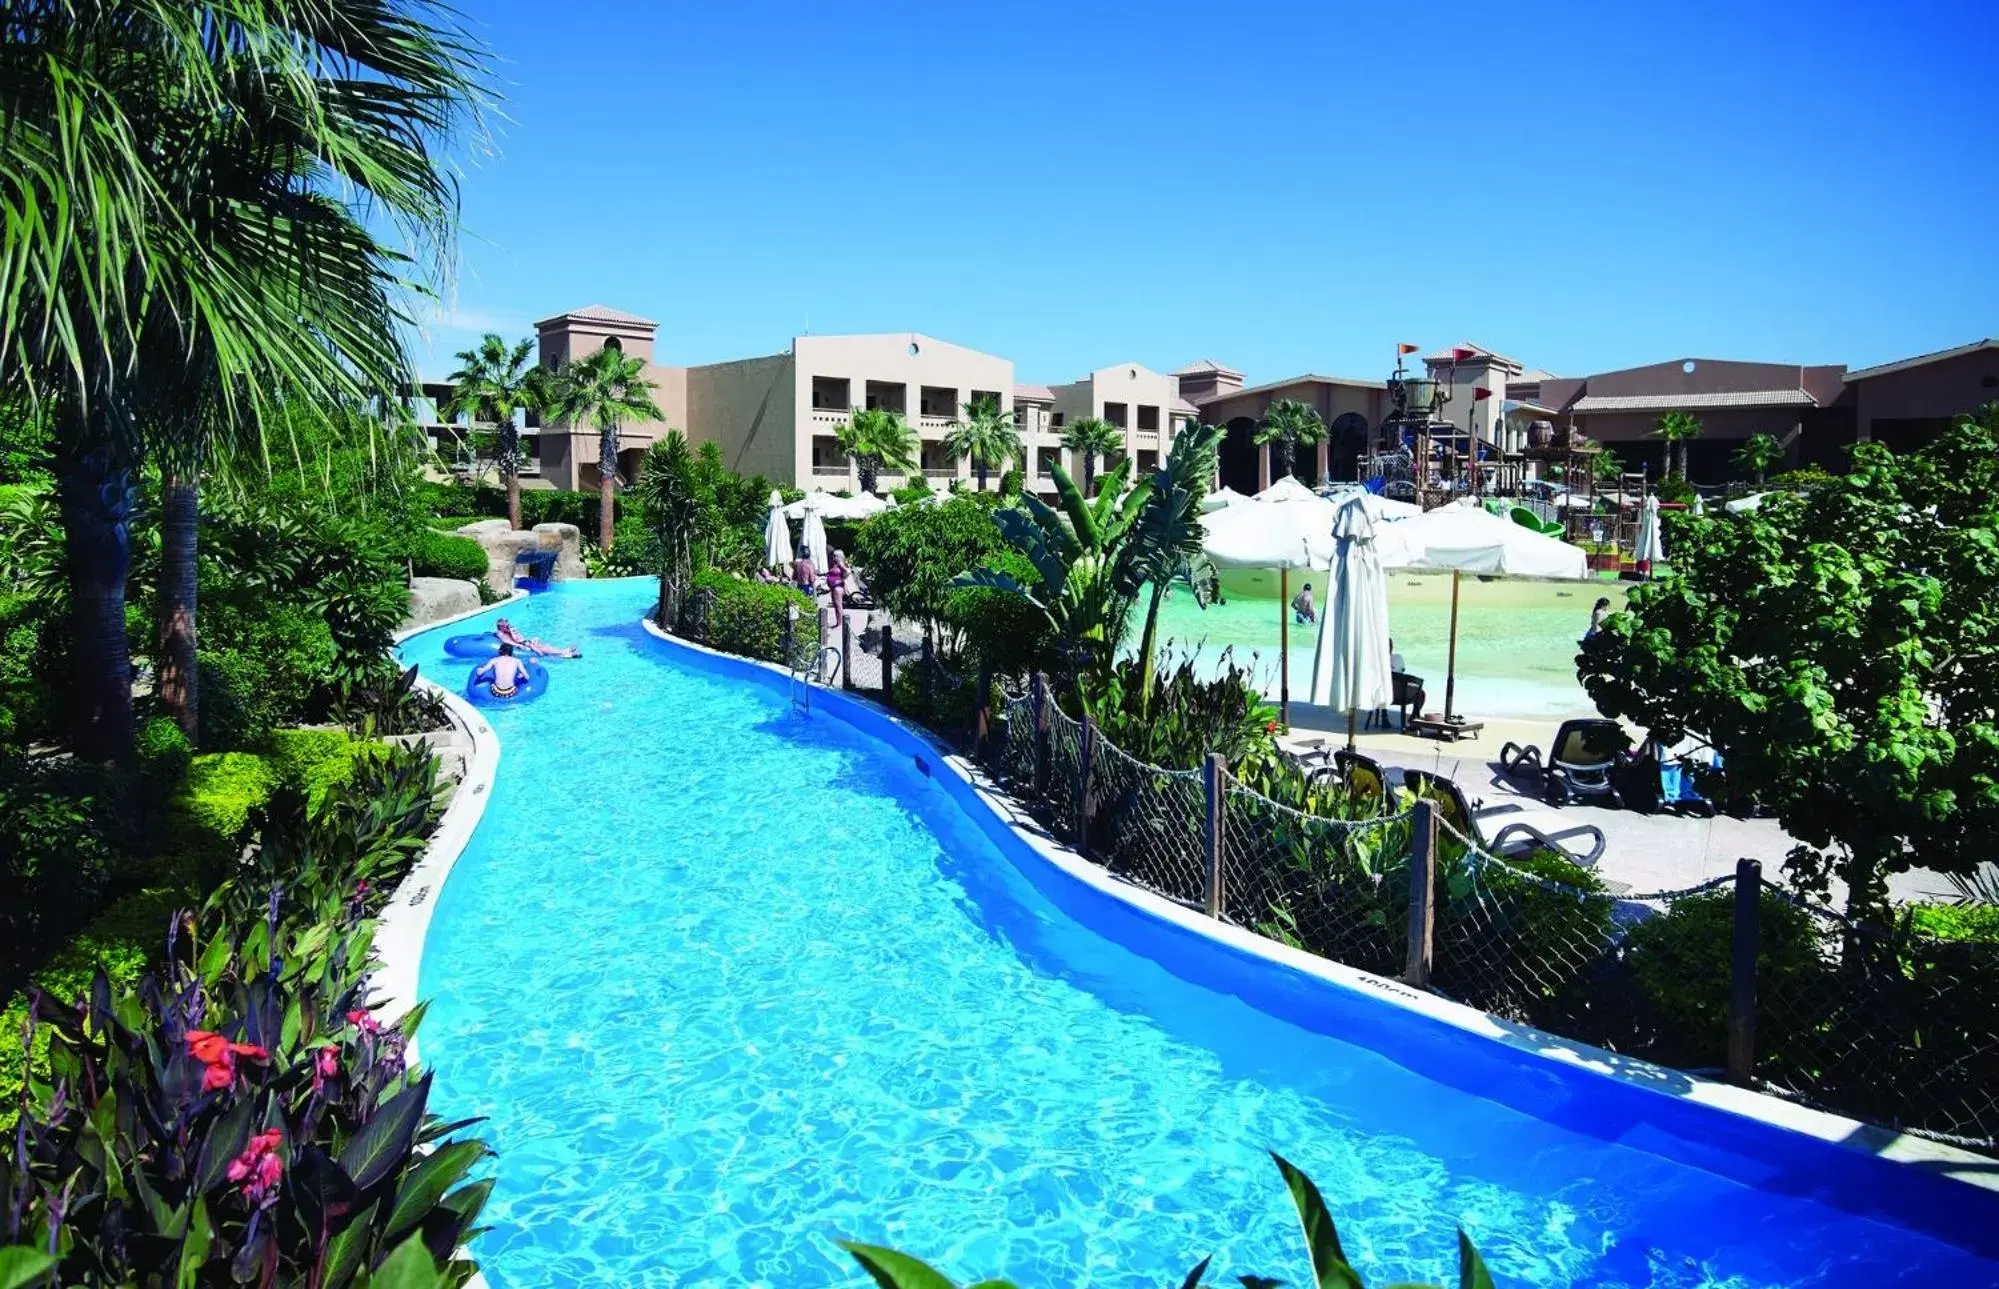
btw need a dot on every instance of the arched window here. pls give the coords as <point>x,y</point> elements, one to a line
<point>614,344</point>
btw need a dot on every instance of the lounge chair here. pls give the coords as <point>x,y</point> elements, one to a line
<point>1580,762</point>
<point>1514,830</point>
<point>1360,777</point>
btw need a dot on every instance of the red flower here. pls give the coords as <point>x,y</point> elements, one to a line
<point>329,1061</point>
<point>259,1168</point>
<point>219,1055</point>
<point>209,1049</point>
<point>1270,727</point>
<point>364,1020</point>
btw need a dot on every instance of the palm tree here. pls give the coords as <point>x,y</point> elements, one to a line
<point>1091,438</point>
<point>1287,424</point>
<point>198,254</point>
<point>1758,453</point>
<point>1167,543</point>
<point>1678,429</point>
<point>669,497</point>
<point>492,382</point>
<point>986,435</point>
<point>609,389</point>
<point>877,440</point>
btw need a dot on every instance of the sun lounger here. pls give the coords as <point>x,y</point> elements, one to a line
<point>1580,762</point>
<point>1507,830</point>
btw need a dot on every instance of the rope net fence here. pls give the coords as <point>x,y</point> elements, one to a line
<point>1148,824</point>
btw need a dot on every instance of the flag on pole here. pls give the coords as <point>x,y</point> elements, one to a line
<point>1480,393</point>
<point>1407,349</point>
<point>1463,355</point>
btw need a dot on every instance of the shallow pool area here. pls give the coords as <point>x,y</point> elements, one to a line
<point>732,982</point>
<point>1516,638</point>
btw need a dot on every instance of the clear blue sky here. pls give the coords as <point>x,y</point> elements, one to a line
<point>1583,186</point>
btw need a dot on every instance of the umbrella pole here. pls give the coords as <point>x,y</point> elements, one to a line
<point>1350,725</point>
<point>1284,646</point>
<point>1451,662</point>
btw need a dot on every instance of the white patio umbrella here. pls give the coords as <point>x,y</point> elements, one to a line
<point>813,536</point>
<point>1465,538</point>
<point>1221,499</point>
<point>1746,505</point>
<point>1350,668</point>
<point>1649,546</point>
<point>859,506</point>
<point>777,535</point>
<point>1278,528</point>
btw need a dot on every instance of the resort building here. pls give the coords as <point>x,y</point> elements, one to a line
<point>566,454</point>
<point>1143,404</point>
<point>1352,410</point>
<point>1906,404</point>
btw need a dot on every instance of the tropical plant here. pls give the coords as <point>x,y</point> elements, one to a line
<point>669,498</point>
<point>912,553</point>
<point>1080,557</point>
<point>1286,425</point>
<point>200,252</point>
<point>1091,438</point>
<point>606,388</point>
<point>877,440</point>
<point>986,436</point>
<point>1834,646</point>
<point>493,381</point>
<point>1167,544</point>
<point>1758,453</point>
<point>1678,429</point>
<point>1331,1268</point>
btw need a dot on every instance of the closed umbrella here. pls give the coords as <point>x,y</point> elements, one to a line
<point>1649,547</point>
<point>813,537</point>
<point>777,535</point>
<point>1464,538</point>
<point>1351,666</point>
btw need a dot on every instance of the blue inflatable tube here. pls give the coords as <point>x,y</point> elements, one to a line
<point>479,646</point>
<point>533,686</point>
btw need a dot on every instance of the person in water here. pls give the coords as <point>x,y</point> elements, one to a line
<point>511,636</point>
<point>1302,605</point>
<point>1596,616</point>
<point>504,674</point>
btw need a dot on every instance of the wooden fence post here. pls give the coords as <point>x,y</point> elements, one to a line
<point>790,645</point>
<point>1212,769</point>
<point>981,719</point>
<point>888,661</point>
<point>846,653</point>
<point>1742,971</point>
<point>1422,894</point>
<point>1085,810</point>
<point>1043,722</point>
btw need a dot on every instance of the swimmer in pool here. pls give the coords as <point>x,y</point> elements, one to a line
<point>510,635</point>
<point>504,674</point>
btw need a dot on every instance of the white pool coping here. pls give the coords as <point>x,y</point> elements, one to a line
<point>1851,1134</point>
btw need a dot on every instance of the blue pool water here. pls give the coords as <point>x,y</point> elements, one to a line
<point>734,982</point>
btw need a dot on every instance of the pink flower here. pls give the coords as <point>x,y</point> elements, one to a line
<point>364,1021</point>
<point>325,1065</point>
<point>260,1168</point>
<point>219,1055</point>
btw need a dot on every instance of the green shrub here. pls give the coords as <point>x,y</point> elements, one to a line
<point>949,710</point>
<point>56,857</point>
<point>1971,923</point>
<point>748,618</point>
<point>164,751</point>
<point>1681,963</point>
<point>212,817</point>
<point>1000,629</point>
<point>911,553</point>
<point>314,761</point>
<point>435,554</point>
<point>237,708</point>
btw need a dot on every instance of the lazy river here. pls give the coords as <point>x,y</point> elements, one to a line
<point>733,982</point>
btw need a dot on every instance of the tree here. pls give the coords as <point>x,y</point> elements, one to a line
<point>493,382</point>
<point>199,254</point>
<point>986,435</point>
<point>1840,648</point>
<point>1167,544</point>
<point>606,388</point>
<point>1678,429</point>
<point>877,440</point>
<point>1758,453</point>
<point>668,494</point>
<point>1084,583</point>
<point>912,553</point>
<point>1288,424</point>
<point>1090,438</point>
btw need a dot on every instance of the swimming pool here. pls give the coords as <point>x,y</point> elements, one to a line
<point>733,982</point>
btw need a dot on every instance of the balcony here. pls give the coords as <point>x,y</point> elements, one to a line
<point>830,416</point>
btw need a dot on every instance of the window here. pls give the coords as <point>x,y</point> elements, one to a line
<point>1148,418</point>
<point>1019,418</point>
<point>1117,414</point>
<point>984,395</point>
<point>831,393</point>
<point>1046,459</point>
<point>1148,460</point>
<point>937,400</point>
<point>826,454</point>
<point>1056,421</point>
<point>614,344</point>
<point>888,396</point>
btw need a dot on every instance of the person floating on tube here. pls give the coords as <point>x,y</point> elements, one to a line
<point>503,674</point>
<point>510,635</point>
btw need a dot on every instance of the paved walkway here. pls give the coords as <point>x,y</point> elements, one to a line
<point>1646,852</point>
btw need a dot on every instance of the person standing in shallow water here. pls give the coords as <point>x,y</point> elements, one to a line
<point>1596,616</point>
<point>1302,606</point>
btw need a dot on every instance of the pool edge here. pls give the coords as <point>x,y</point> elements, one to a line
<point>1920,1155</point>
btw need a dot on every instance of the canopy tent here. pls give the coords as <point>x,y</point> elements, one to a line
<point>1746,505</point>
<point>1464,538</point>
<point>860,506</point>
<point>1351,666</point>
<point>812,535</point>
<point>1287,489</point>
<point>777,535</point>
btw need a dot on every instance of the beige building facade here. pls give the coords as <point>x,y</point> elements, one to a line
<point>567,454</point>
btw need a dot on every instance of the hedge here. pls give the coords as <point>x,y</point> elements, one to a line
<point>747,618</point>
<point>315,760</point>
<point>435,554</point>
<point>539,506</point>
